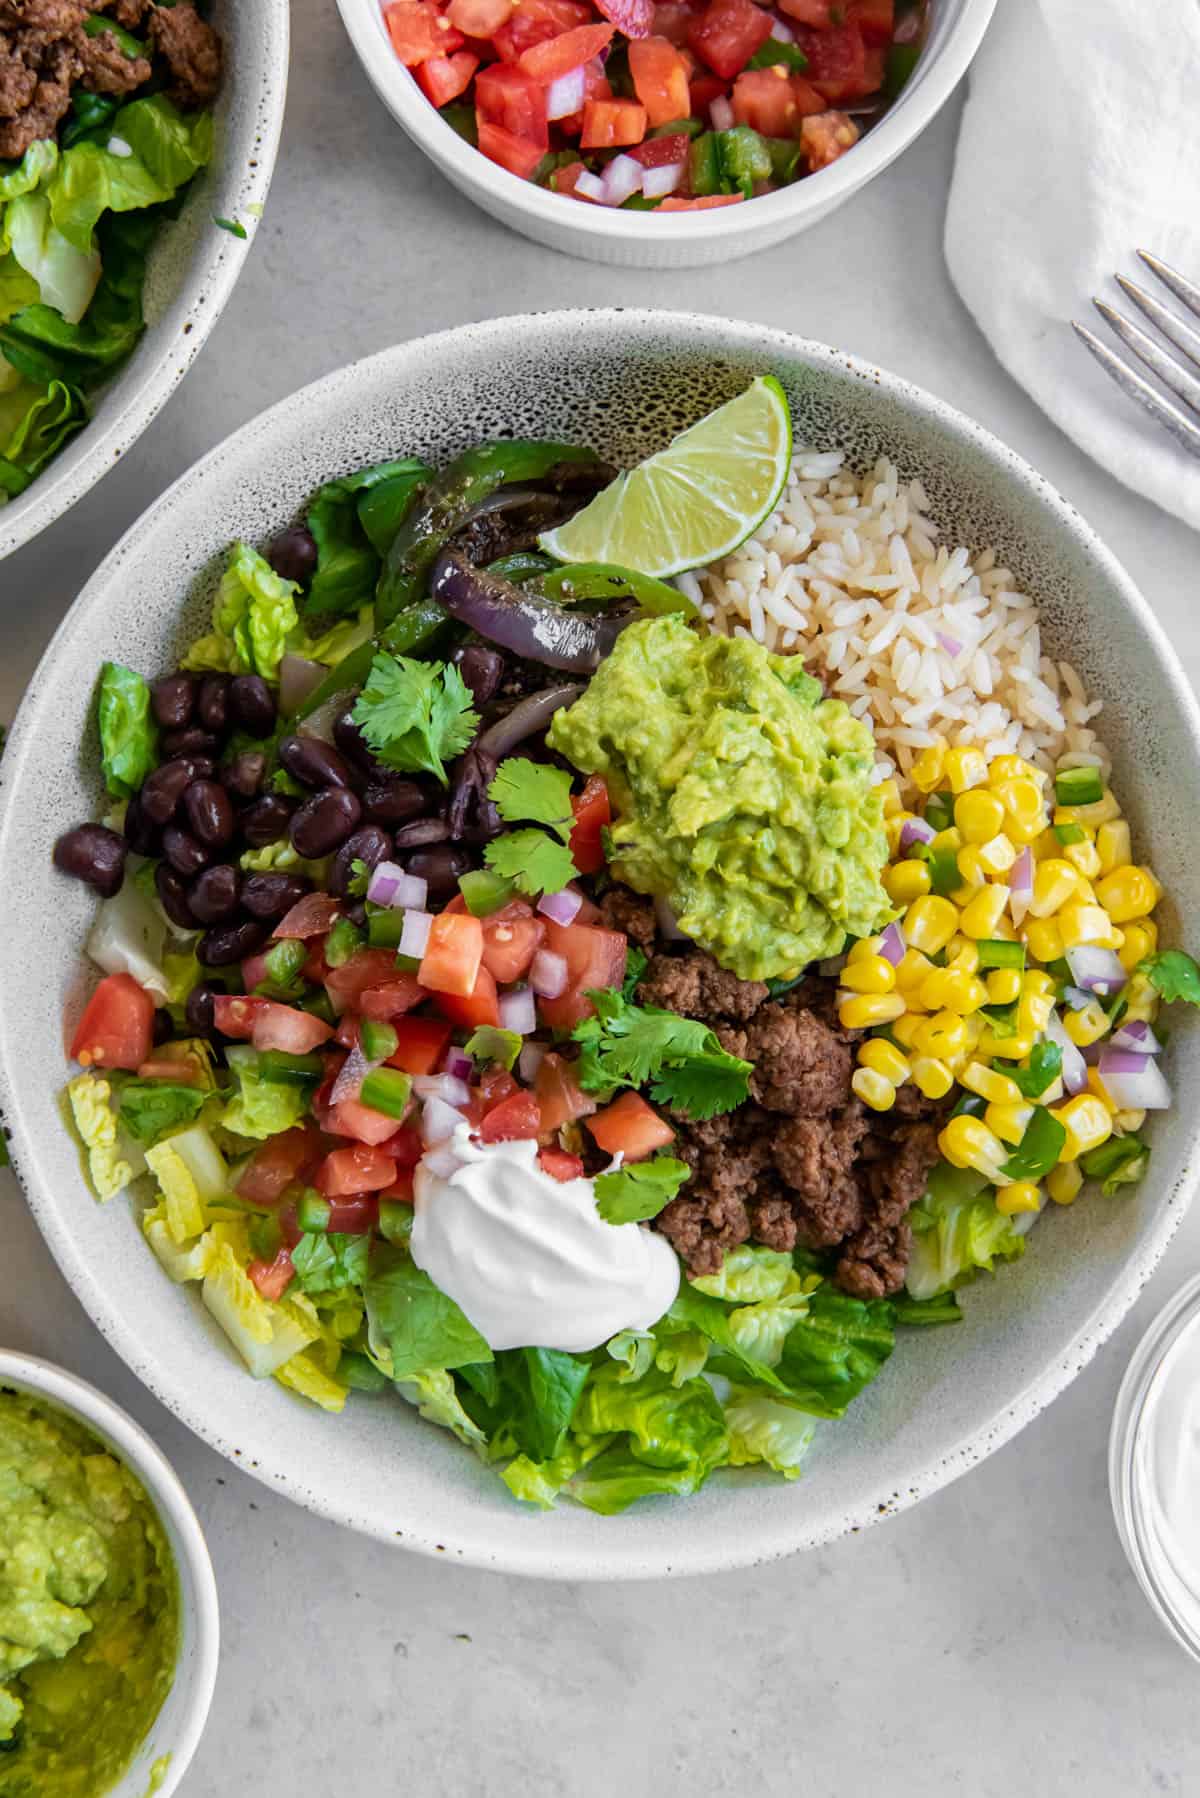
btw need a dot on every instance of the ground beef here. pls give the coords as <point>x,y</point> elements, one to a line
<point>727,1155</point>
<point>129,14</point>
<point>105,67</point>
<point>623,909</point>
<point>192,51</point>
<point>875,1260</point>
<point>696,986</point>
<point>801,1066</point>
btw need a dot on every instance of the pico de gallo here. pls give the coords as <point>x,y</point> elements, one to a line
<point>669,105</point>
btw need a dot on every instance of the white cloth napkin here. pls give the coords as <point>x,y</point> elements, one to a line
<point>1080,144</point>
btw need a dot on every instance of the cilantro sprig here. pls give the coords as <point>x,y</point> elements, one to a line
<point>532,793</point>
<point>416,716</point>
<point>632,1195</point>
<point>681,1060</point>
<point>1173,974</point>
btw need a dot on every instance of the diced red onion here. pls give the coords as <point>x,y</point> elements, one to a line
<point>530,1060</point>
<point>415,934</point>
<point>1138,1036</point>
<point>622,178</point>
<point>1020,882</point>
<point>892,945</point>
<point>446,1087</point>
<point>658,183</point>
<point>518,1012</point>
<point>560,908</point>
<point>720,114</point>
<point>390,885</point>
<point>915,830</point>
<point>567,94</point>
<point>783,34</point>
<point>1135,1082</point>
<point>668,923</point>
<point>951,645</point>
<point>298,677</point>
<point>548,974</point>
<point>443,1162</point>
<point>1076,998</point>
<point>1074,1067</point>
<point>439,1121</point>
<point>351,1075</point>
<point>590,186</point>
<point>457,1063</point>
<point>1096,970</point>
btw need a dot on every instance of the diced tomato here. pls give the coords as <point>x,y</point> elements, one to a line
<point>559,1165</point>
<point>874,68</point>
<point>594,957</point>
<point>444,78</point>
<point>420,1044</point>
<point>546,18</point>
<point>179,1073</point>
<point>609,123</point>
<point>826,137</point>
<point>277,1163</point>
<point>516,154</point>
<point>479,18</point>
<point>401,1187</point>
<point>360,1169</point>
<point>269,1025</point>
<point>634,17</point>
<point>350,1117</point>
<point>563,180</point>
<point>727,34</point>
<point>814,12</point>
<point>234,1015</point>
<point>480,1006</point>
<point>365,968</point>
<point>453,953</point>
<point>418,31</point>
<point>876,19</point>
<point>496,1085</point>
<point>836,61</point>
<point>517,1116</point>
<point>771,102</point>
<point>592,807</point>
<point>505,96</point>
<point>316,968</point>
<point>348,1034</point>
<point>313,915</point>
<point>655,153</point>
<point>703,204</point>
<point>405,1148</point>
<point>272,1278</point>
<point>661,84</point>
<point>354,1216</point>
<point>511,939</point>
<point>671,20</point>
<point>393,998</point>
<point>629,1127</point>
<point>559,55</point>
<point>254,971</point>
<point>560,1096</point>
<point>702,91</point>
<point>117,1026</point>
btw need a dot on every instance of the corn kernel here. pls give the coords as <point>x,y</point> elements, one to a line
<point>1014,767</point>
<point>905,1032</point>
<point>963,955</point>
<point>1044,939</point>
<point>962,992</point>
<point>1141,940</point>
<point>1141,1000</point>
<point>1054,883</point>
<point>1063,1182</point>
<point>1036,980</point>
<point>905,881</point>
<point>996,856</point>
<point>1113,845</point>
<point>861,1010</point>
<point>927,769</point>
<point>1126,1121</point>
<point>892,828</point>
<point>970,866</point>
<point>871,974</point>
<point>965,768</point>
<point>943,1036</point>
<point>990,1084</point>
<point>911,970</point>
<point>981,916</point>
<point>932,1076</point>
<point>1010,1122</point>
<point>863,949</point>
<point>929,923</point>
<point>1127,894</point>
<point>873,1089</point>
<point>1005,1048</point>
<point>966,1142</point>
<point>1018,1196</point>
<point>1024,810</point>
<point>947,840</point>
<point>978,814</point>
<point>1003,986</point>
<point>1087,1122</point>
<point>1087,1025</point>
<point>1081,923</point>
<point>1097,1087</point>
<point>889,793</point>
<point>884,1058</point>
<point>1084,858</point>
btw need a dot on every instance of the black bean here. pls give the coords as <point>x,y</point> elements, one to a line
<point>209,811</point>
<point>293,553</point>
<point>173,897</point>
<point>481,668</point>
<point>140,832</point>
<point>213,895</point>
<point>192,741</point>
<point>186,855</point>
<point>313,762</point>
<point>393,799</point>
<point>227,943</point>
<point>93,853</point>
<point>356,914</point>
<point>324,822</point>
<point>268,896</point>
<point>354,746</point>
<point>370,845</point>
<point>266,820</point>
<point>199,1008</point>
<point>421,832</point>
<point>253,704</point>
<point>440,866</point>
<point>212,703</point>
<point>243,776</point>
<point>164,788</point>
<point>163,1028</point>
<point>172,699</point>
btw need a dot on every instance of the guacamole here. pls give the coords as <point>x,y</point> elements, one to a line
<point>89,1610</point>
<point>739,795</point>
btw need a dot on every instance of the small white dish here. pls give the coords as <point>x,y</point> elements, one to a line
<point>176,1731</point>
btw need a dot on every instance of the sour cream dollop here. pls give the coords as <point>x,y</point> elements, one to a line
<point>528,1258</point>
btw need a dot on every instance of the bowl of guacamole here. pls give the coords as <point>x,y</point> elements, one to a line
<point>108,1607</point>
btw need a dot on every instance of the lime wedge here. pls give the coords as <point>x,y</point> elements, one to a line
<point>697,499</point>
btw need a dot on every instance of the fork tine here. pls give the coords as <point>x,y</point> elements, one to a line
<point>1175,330</point>
<point>1162,411</point>
<point>1186,387</point>
<point>1180,286</point>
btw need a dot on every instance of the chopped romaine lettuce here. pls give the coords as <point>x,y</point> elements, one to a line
<point>129,937</point>
<point>254,616</point>
<point>264,1334</point>
<point>748,1273</point>
<point>128,735</point>
<point>260,1108</point>
<point>112,1162</point>
<point>192,1174</point>
<point>764,1429</point>
<point>433,1392</point>
<point>422,1328</point>
<point>304,1374</point>
<point>957,1232</point>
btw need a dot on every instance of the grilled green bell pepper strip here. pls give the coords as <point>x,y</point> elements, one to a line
<point>606,580</point>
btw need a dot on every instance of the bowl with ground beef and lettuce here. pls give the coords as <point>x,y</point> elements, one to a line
<point>137,141</point>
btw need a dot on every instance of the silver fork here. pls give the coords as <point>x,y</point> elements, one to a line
<point>1183,425</point>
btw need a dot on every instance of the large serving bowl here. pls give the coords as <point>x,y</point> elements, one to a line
<point>192,271</point>
<point>624,382</point>
<point>681,239</point>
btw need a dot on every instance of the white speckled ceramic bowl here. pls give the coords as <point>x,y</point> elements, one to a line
<point>623,381</point>
<point>176,1731</point>
<point>669,240</point>
<point>192,271</point>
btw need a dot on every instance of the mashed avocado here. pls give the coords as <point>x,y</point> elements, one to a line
<point>89,1618</point>
<point>739,795</point>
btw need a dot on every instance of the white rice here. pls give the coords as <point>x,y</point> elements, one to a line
<point>920,640</point>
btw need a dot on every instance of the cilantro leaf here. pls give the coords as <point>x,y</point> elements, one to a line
<point>680,1059</point>
<point>325,1263</point>
<point>360,878</point>
<point>1045,1066</point>
<point>530,790</point>
<point>636,963</point>
<point>704,1085</point>
<point>492,1044</point>
<point>630,1195</point>
<point>416,716</point>
<point>1039,1148</point>
<point>1173,974</point>
<point>534,861</point>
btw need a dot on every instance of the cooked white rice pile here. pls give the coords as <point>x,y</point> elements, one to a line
<point>919,640</point>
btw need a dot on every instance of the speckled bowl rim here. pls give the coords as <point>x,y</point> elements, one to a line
<point>156,369</point>
<point>999,1427</point>
<point>97,1412</point>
